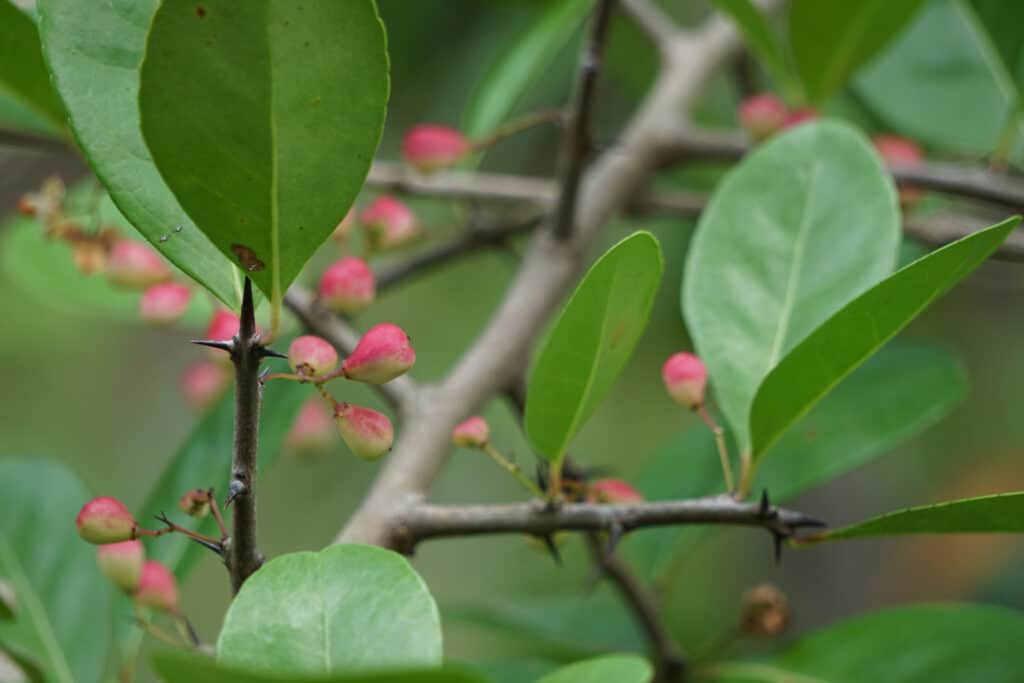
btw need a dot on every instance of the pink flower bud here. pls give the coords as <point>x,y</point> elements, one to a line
<point>798,116</point>
<point>763,114</point>
<point>122,563</point>
<point>203,383</point>
<point>223,325</point>
<point>428,147</point>
<point>157,588</point>
<point>105,520</point>
<point>382,354</point>
<point>344,229</point>
<point>367,433</point>
<point>195,503</point>
<point>164,303</point>
<point>389,223</point>
<point>685,378</point>
<point>313,430</point>
<point>133,265</point>
<point>899,151</point>
<point>312,356</point>
<point>473,433</point>
<point>613,491</point>
<point>348,286</point>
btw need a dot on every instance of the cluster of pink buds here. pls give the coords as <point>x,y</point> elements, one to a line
<point>429,147</point>
<point>899,151</point>
<point>764,114</point>
<point>347,286</point>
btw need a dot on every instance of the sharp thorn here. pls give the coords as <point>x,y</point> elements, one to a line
<point>777,539</point>
<point>236,489</point>
<point>765,506</point>
<point>215,547</point>
<point>193,636</point>
<point>556,555</point>
<point>615,533</point>
<point>223,345</point>
<point>267,352</point>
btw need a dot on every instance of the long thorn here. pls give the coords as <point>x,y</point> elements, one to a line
<point>223,345</point>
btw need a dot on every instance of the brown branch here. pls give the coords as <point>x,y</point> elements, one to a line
<point>653,21</point>
<point>26,140</point>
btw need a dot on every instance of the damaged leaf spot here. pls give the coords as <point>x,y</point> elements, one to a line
<point>200,11</point>
<point>247,258</point>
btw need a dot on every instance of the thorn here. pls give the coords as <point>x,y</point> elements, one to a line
<point>215,547</point>
<point>267,352</point>
<point>778,538</point>
<point>223,345</point>
<point>765,507</point>
<point>262,377</point>
<point>615,532</point>
<point>236,489</point>
<point>192,635</point>
<point>549,543</point>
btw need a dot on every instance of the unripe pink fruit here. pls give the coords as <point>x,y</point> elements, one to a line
<point>900,151</point>
<point>122,563</point>
<point>389,223</point>
<point>367,433</point>
<point>613,491</point>
<point>312,356</point>
<point>313,430</point>
<point>133,265</point>
<point>105,520</point>
<point>203,383</point>
<point>344,229</point>
<point>157,588</point>
<point>428,147</point>
<point>348,286</point>
<point>798,116</point>
<point>195,503</point>
<point>685,378</point>
<point>473,433</point>
<point>762,114</point>
<point>223,325</point>
<point>382,354</point>
<point>164,303</point>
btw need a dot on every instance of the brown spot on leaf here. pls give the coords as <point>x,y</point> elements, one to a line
<point>247,258</point>
<point>200,11</point>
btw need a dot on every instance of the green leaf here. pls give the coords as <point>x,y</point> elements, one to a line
<point>178,668</point>
<point>803,225</point>
<point>22,71</point>
<point>347,608</point>
<point>94,51</point>
<point>763,41</point>
<point>1000,22</point>
<point>607,669</point>
<point>591,342</point>
<point>64,615</point>
<point>831,40</point>
<point>849,337</point>
<point>522,63</point>
<point>263,118</point>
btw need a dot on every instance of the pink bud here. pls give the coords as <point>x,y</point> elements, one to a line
<point>613,491</point>
<point>344,229</point>
<point>105,520</point>
<point>348,286</point>
<point>473,433</point>
<point>223,325</point>
<point>367,433</point>
<point>164,303</point>
<point>762,114</point>
<point>899,151</point>
<point>312,356</point>
<point>389,223</point>
<point>798,116</point>
<point>685,378</point>
<point>382,354</point>
<point>313,430</point>
<point>195,503</point>
<point>122,563</point>
<point>157,588</point>
<point>428,147</point>
<point>133,265</point>
<point>203,383</point>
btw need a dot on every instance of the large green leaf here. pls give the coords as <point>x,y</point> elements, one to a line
<point>803,225</point>
<point>607,669</point>
<point>94,51</point>
<point>831,40</point>
<point>763,41</point>
<point>263,118</point>
<point>1001,21</point>
<point>64,615</point>
<point>849,337</point>
<point>591,342</point>
<point>22,71</point>
<point>347,608</point>
<point>522,63</point>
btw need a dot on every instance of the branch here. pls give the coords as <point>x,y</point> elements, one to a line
<point>653,21</point>
<point>577,144</point>
<point>22,139</point>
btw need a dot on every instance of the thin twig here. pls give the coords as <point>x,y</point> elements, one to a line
<point>22,139</point>
<point>653,21</point>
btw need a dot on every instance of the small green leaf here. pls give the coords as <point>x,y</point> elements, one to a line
<point>763,41</point>
<point>850,336</point>
<point>804,224</point>
<point>831,40</point>
<point>522,63</point>
<point>22,71</point>
<point>93,51</point>
<point>263,118</point>
<point>591,342</point>
<point>607,669</point>
<point>347,608</point>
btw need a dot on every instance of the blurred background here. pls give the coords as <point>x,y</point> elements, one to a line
<point>99,391</point>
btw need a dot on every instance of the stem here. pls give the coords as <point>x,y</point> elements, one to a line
<point>746,475</point>
<point>555,480</point>
<point>723,451</point>
<point>516,126</point>
<point>513,469</point>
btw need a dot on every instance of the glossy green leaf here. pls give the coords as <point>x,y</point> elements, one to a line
<point>22,71</point>
<point>1001,23</point>
<point>607,669</point>
<point>522,63</point>
<point>306,86</point>
<point>177,668</point>
<point>831,40</point>
<point>64,615</point>
<point>93,51</point>
<point>347,608</point>
<point>804,224</point>
<point>849,337</point>
<point>591,342</point>
<point>763,40</point>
